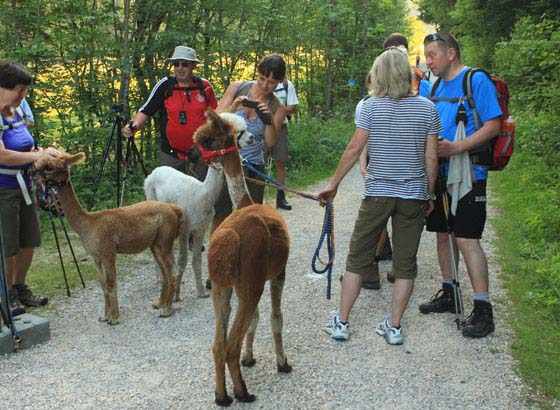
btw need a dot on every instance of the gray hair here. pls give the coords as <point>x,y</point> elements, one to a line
<point>390,75</point>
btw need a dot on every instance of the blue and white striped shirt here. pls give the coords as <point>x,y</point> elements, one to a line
<point>397,133</point>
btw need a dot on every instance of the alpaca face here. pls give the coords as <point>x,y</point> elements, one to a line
<point>56,171</point>
<point>223,131</point>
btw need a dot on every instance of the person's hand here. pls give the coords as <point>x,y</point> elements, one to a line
<point>238,102</point>
<point>128,131</point>
<point>447,149</point>
<point>429,207</point>
<point>327,194</point>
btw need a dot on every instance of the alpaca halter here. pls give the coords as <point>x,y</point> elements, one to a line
<point>209,155</point>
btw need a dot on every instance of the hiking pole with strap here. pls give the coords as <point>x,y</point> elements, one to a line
<point>61,219</point>
<point>5,297</point>
<point>457,294</point>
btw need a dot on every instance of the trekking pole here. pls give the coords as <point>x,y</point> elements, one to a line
<point>72,250</point>
<point>59,254</point>
<point>458,297</point>
<point>5,297</point>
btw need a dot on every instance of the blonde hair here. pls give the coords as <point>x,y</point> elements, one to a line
<point>390,75</point>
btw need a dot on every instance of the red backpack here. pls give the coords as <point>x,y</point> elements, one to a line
<point>498,151</point>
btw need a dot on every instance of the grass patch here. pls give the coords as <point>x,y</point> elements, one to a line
<point>528,193</point>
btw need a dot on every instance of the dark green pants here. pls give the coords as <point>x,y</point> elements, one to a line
<point>407,218</point>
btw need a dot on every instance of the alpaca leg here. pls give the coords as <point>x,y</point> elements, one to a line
<point>276,287</point>
<point>197,264</point>
<point>245,313</point>
<point>102,282</point>
<point>221,299</point>
<point>248,358</point>
<point>164,258</point>
<point>110,289</point>
<point>183,260</point>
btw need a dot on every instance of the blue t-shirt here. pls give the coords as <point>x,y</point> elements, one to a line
<point>486,99</point>
<point>15,139</point>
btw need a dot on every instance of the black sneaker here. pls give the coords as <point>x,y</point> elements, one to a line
<point>15,305</point>
<point>480,322</point>
<point>27,298</point>
<point>443,301</point>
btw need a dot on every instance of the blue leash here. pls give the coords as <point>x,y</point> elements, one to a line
<point>327,231</point>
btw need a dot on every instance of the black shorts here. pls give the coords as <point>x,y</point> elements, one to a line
<point>470,218</point>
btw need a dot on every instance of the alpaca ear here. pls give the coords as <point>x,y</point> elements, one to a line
<point>75,159</point>
<point>212,115</point>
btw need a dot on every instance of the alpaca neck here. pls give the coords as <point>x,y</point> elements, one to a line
<point>238,191</point>
<point>213,183</point>
<point>77,217</point>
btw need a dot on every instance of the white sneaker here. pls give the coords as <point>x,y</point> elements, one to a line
<point>392,335</point>
<point>338,330</point>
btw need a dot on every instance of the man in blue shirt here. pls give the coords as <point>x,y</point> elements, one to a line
<point>443,57</point>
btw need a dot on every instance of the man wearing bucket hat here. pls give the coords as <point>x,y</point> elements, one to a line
<point>181,101</point>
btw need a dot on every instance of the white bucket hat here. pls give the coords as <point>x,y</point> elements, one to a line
<point>184,53</point>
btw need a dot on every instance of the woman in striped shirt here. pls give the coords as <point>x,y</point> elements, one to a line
<point>400,130</point>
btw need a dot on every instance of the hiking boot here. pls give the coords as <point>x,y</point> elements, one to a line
<point>392,335</point>
<point>443,301</point>
<point>15,305</point>
<point>281,202</point>
<point>27,298</point>
<point>480,322</point>
<point>337,329</point>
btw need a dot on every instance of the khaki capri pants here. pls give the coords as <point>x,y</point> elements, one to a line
<point>407,218</point>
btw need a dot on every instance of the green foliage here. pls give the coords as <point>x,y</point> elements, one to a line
<point>315,148</point>
<point>529,246</point>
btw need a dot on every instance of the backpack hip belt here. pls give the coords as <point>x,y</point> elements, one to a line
<point>18,173</point>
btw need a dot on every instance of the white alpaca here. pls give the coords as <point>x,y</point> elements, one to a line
<point>196,199</point>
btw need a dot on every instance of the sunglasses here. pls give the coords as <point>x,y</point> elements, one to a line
<point>434,37</point>
<point>184,64</point>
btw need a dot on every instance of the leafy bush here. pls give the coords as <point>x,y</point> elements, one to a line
<point>315,147</point>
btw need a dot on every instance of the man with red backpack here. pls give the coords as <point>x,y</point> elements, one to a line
<point>466,225</point>
<point>182,101</point>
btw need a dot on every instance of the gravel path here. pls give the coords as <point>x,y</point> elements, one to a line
<point>151,363</point>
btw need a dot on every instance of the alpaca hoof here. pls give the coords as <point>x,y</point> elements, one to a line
<point>248,362</point>
<point>113,322</point>
<point>203,295</point>
<point>178,299</point>
<point>223,401</point>
<point>102,319</point>
<point>208,284</point>
<point>245,398</point>
<point>166,312</point>
<point>156,304</point>
<point>284,368</point>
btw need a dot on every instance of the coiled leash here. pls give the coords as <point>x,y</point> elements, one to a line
<point>328,223</point>
<point>328,234</point>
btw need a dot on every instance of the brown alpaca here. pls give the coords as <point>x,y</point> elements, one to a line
<point>129,230</point>
<point>248,248</point>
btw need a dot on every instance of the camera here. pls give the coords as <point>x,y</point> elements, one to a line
<point>250,104</point>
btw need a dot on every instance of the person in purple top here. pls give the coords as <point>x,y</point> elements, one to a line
<point>18,216</point>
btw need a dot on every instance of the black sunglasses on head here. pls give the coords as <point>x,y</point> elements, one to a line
<point>183,64</point>
<point>434,37</point>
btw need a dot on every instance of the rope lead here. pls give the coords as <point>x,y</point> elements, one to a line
<point>328,233</point>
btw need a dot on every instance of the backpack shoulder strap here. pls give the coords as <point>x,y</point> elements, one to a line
<point>171,83</point>
<point>435,99</point>
<point>241,87</point>
<point>199,85</point>
<point>468,91</point>
<point>434,87</point>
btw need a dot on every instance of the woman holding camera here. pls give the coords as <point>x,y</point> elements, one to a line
<point>20,225</point>
<point>264,114</point>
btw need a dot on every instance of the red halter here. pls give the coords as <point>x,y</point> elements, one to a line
<point>208,155</point>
